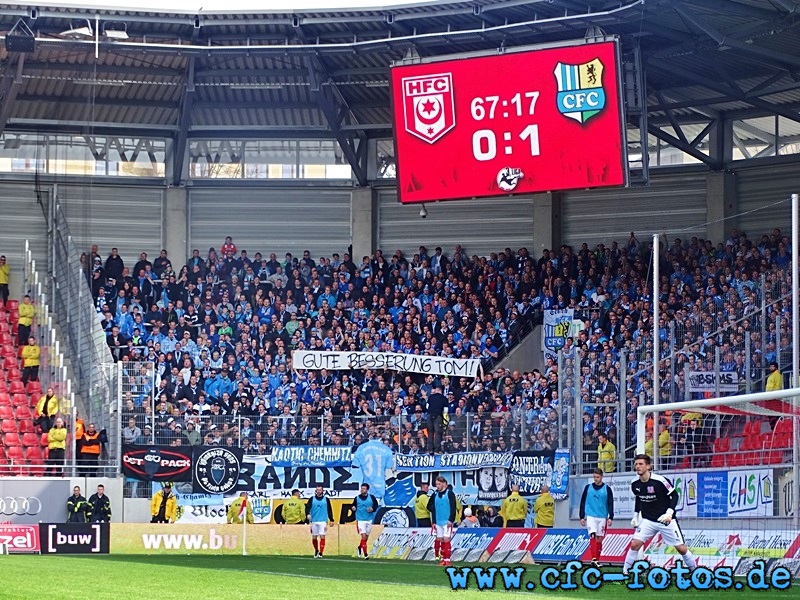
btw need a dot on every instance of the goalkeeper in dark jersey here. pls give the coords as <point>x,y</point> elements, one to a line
<point>656,501</point>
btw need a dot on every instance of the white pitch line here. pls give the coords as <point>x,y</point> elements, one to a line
<point>318,577</point>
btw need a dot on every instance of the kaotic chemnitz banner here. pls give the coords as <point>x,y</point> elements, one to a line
<point>157,463</point>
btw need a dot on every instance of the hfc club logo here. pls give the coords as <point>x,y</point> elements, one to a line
<point>428,106</point>
<point>580,90</point>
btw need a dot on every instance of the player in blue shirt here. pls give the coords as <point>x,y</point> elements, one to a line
<point>319,513</point>
<point>597,512</point>
<point>364,507</point>
<point>442,506</point>
<point>374,458</point>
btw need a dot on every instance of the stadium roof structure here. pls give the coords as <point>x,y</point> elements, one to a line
<point>324,74</point>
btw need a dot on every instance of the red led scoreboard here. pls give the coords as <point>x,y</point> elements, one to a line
<point>514,123</point>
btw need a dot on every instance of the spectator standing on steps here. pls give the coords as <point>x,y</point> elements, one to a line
<point>46,410</point>
<point>30,361</point>
<point>90,450</point>
<point>5,273</point>
<point>57,445</point>
<point>26,314</point>
<point>437,405</point>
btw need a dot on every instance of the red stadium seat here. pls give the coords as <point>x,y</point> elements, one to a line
<point>12,305</point>
<point>30,439</point>
<point>14,375</point>
<point>26,426</point>
<point>11,439</point>
<point>35,388</point>
<point>13,316</point>
<point>6,412</point>
<point>10,362</point>
<point>34,454</point>
<point>9,426</point>
<point>16,387</point>
<point>721,446</point>
<point>5,470</point>
<point>15,453</point>
<point>19,401</point>
<point>3,386</point>
<point>7,351</point>
<point>43,441</point>
<point>5,334</point>
<point>5,399</point>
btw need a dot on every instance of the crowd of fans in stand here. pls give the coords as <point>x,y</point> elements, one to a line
<point>221,330</point>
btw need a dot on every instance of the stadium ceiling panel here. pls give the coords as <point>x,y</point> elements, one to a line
<point>279,73</point>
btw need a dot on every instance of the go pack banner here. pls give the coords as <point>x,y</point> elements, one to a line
<point>157,463</point>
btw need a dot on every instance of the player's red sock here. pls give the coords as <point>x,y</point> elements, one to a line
<point>599,547</point>
<point>446,550</point>
<point>437,546</point>
<point>593,547</point>
<point>316,545</point>
<point>322,545</point>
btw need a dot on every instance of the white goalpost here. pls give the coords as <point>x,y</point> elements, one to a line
<point>741,501</point>
<point>740,504</point>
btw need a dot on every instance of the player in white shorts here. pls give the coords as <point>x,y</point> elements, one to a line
<point>597,512</point>
<point>364,507</point>
<point>319,513</point>
<point>656,501</point>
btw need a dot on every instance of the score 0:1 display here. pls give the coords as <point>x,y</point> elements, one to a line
<point>484,141</point>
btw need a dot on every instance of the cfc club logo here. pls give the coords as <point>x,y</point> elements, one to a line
<point>428,106</point>
<point>217,471</point>
<point>580,90</point>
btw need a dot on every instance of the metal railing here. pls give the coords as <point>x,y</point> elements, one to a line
<point>53,372</point>
<point>84,339</point>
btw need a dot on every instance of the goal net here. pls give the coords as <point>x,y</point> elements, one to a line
<point>734,463</point>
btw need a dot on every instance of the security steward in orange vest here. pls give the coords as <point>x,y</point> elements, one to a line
<point>90,451</point>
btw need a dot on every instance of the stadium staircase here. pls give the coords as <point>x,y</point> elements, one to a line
<point>22,451</point>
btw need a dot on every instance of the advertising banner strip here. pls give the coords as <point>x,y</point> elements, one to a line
<point>311,456</point>
<point>460,461</point>
<point>209,539</point>
<point>157,463</point>
<point>706,381</point>
<point>20,539</point>
<point>410,363</point>
<point>75,538</point>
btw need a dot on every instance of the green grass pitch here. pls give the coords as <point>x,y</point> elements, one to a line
<point>122,577</point>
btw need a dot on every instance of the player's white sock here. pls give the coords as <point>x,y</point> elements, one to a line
<point>689,560</point>
<point>630,558</point>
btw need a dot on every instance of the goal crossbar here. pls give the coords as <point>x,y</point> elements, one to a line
<point>770,404</point>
